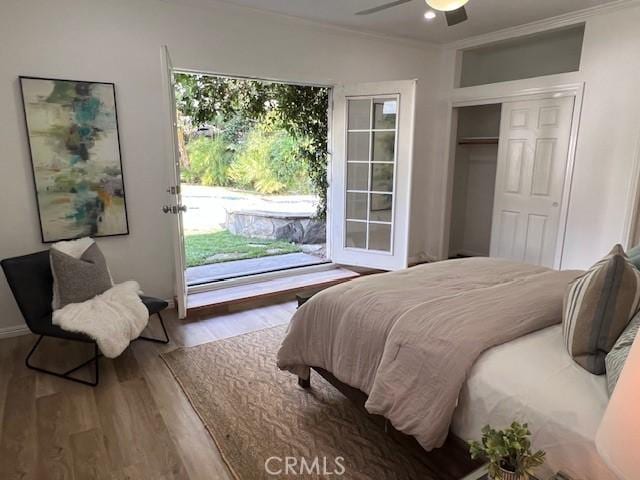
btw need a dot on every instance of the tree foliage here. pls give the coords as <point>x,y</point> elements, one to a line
<point>300,110</point>
<point>270,162</point>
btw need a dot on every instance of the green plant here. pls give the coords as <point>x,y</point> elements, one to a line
<point>269,162</point>
<point>235,130</point>
<point>508,449</point>
<point>209,160</point>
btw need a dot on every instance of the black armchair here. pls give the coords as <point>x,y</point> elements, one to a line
<point>31,282</point>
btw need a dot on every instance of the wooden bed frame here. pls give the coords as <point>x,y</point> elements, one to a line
<point>450,462</point>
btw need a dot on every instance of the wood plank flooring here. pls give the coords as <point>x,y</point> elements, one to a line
<point>137,424</point>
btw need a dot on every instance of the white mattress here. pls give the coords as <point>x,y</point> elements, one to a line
<point>534,379</point>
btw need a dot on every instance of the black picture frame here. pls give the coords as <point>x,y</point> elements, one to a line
<point>125,230</point>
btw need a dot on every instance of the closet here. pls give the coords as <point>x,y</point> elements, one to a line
<point>476,158</point>
<point>510,158</point>
<point>509,175</point>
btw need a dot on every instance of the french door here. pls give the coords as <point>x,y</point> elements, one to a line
<point>175,207</point>
<point>532,162</point>
<point>372,155</point>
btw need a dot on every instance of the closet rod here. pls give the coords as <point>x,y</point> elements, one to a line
<point>478,141</point>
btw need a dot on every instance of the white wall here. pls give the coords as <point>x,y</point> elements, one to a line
<point>607,145</point>
<point>119,41</point>
<point>608,138</point>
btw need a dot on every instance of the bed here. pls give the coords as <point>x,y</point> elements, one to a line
<point>416,341</point>
<point>563,403</point>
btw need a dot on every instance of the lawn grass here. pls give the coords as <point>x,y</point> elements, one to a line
<point>223,246</point>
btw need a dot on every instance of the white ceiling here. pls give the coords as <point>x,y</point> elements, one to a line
<point>408,20</point>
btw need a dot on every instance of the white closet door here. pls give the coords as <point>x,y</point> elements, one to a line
<point>532,160</point>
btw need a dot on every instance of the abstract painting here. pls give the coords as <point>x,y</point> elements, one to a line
<point>75,154</point>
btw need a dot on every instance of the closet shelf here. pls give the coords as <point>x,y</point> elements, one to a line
<point>478,141</point>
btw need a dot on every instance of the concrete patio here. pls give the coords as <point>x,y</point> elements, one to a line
<point>251,266</point>
<point>207,207</point>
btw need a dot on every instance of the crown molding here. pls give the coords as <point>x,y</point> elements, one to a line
<point>551,23</point>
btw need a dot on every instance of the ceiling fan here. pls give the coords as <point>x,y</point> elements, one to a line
<point>454,10</point>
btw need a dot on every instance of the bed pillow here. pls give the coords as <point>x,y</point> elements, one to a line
<point>634,256</point>
<point>598,306</point>
<point>77,279</point>
<point>617,357</point>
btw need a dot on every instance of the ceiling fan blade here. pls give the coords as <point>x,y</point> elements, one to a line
<point>382,7</point>
<point>455,17</point>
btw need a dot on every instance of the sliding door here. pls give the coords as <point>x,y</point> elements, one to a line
<point>532,163</point>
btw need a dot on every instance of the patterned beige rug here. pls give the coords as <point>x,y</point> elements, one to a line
<point>267,427</point>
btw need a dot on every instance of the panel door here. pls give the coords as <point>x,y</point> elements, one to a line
<point>175,208</point>
<point>371,174</point>
<point>532,161</point>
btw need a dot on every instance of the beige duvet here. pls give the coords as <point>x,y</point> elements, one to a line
<point>409,338</point>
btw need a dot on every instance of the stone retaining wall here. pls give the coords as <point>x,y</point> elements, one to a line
<point>290,227</point>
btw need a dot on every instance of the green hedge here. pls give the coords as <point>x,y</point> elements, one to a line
<point>209,161</point>
<point>267,160</point>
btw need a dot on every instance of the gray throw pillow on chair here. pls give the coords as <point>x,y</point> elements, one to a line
<point>79,279</point>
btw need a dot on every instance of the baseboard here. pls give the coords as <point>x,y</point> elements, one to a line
<point>421,257</point>
<point>14,331</point>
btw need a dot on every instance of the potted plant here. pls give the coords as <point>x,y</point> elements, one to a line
<point>508,452</point>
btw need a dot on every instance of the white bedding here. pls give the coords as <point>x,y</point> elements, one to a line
<point>534,379</point>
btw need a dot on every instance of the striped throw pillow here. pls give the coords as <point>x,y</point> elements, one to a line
<point>617,357</point>
<point>598,306</point>
<point>634,255</point>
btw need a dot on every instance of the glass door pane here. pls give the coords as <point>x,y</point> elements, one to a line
<point>372,130</point>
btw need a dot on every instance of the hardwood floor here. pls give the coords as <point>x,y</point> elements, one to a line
<point>137,424</point>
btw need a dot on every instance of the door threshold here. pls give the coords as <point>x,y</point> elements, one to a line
<point>221,272</point>
<point>273,289</point>
<point>259,277</point>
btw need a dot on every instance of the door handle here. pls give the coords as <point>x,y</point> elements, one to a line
<point>175,209</point>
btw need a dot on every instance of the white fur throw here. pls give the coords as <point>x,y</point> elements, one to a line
<point>112,319</point>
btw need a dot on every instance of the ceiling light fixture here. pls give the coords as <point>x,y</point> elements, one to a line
<point>446,5</point>
<point>454,11</point>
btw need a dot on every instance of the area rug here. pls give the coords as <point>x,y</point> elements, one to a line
<point>267,427</point>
